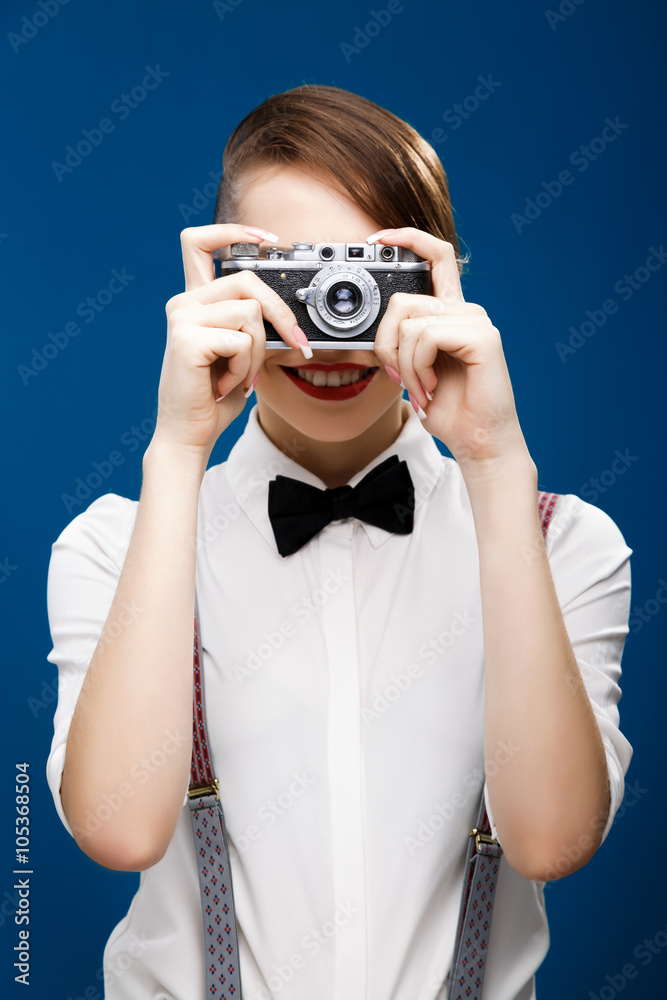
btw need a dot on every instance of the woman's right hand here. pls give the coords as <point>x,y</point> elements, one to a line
<point>215,340</point>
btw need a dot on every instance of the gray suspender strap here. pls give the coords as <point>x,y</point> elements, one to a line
<point>221,950</point>
<point>475,911</point>
<point>221,955</point>
<point>481,875</point>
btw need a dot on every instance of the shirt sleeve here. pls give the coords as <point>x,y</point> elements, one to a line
<point>590,566</point>
<point>85,565</point>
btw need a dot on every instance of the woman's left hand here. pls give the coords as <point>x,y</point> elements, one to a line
<point>448,346</point>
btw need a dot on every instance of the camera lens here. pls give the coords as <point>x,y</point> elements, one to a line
<point>326,253</point>
<point>387,253</point>
<point>344,299</point>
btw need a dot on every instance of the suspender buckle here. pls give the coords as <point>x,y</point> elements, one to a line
<point>194,793</point>
<point>479,835</point>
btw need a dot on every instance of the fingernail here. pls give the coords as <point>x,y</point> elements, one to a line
<point>248,391</point>
<point>393,374</point>
<point>264,233</point>
<point>417,408</point>
<point>303,342</point>
<point>430,397</point>
<point>374,237</point>
<point>218,398</point>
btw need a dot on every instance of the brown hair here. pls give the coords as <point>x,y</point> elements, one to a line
<point>382,163</point>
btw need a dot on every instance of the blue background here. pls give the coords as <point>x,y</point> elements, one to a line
<point>122,207</point>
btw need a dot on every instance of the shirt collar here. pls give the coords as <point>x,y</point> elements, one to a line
<point>255,459</point>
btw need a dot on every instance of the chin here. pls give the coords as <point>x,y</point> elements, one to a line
<point>333,426</point>
<point>334,430</point>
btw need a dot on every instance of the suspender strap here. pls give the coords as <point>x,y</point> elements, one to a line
<point>475,911</point>
<point>223,974</point>
<point>221,953</point>
<point>481,875</point>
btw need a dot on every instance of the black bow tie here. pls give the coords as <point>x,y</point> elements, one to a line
<point>384,497</point>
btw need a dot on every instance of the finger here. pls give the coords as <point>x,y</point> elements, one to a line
<point>420,357</point>
<point>236,347</point>
<point>402,306</point>
<point>408,337</point>
<point>462,340</point>
<point>232,315</point>
<point>441,254</point>
<point>459,337</point>
<point>199,242</point>
<point>244,315</point>
<point>245,285</point>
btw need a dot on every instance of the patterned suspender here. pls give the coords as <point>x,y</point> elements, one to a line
<point>221,950</point>
<point>223,974</point>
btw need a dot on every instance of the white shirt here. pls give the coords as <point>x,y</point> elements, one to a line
<point>344,697</point>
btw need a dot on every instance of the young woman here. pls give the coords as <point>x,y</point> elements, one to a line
<point>360,689</point>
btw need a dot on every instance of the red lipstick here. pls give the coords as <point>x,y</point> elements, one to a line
<point>331,392</point>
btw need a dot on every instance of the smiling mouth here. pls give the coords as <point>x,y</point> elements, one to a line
<point>333,378</point>
<point>335,383</point>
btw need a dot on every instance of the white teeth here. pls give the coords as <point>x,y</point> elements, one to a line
<point>344,377</point>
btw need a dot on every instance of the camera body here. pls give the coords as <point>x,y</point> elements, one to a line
<point>338,292</point>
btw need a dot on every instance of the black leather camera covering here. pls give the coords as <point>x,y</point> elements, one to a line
<point>288,281</point>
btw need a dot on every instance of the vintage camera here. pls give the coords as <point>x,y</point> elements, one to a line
<point>338,291</point>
